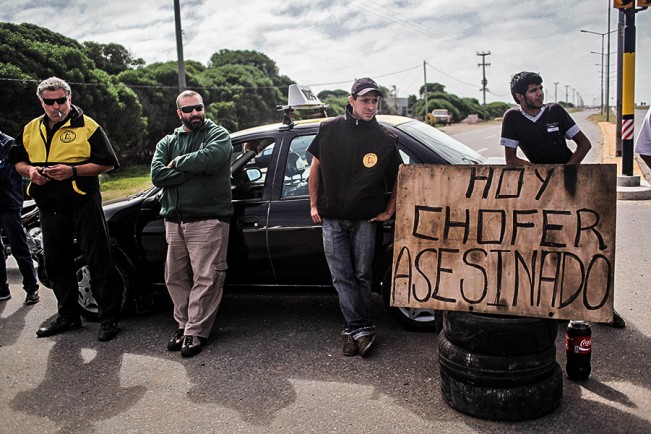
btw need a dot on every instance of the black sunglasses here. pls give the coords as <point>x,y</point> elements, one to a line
<point>51,101</point>
<point>190,108</point>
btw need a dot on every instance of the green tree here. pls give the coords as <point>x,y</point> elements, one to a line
<point>336,101</point>
<point>242,94</point>
<point>112,58</point>
<point>431,87</point>
<point>252,58</point>
<point>31,53</point>
<point>496,109</point>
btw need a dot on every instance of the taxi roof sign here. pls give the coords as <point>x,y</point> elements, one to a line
<point>301,98</point>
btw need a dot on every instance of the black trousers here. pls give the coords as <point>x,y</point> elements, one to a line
<point>87,225</point>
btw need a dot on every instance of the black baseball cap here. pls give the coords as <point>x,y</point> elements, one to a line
<point>363,86</point>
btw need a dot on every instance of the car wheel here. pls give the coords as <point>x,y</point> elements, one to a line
<point>426,320</point>
<point>87,303</point>
<point>414,318</point>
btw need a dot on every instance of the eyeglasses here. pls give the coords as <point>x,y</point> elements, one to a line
<point>51,101</point>
<point>191,108</point>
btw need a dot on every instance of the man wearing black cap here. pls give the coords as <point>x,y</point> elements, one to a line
<point>355,163</point>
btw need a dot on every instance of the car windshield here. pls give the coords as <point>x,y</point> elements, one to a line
<point>450,149</point>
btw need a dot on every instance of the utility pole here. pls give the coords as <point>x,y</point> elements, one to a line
<point>608,70</point>
<point>566,87</point>
<point>483,65</point>
<point>556,91</point>
<point>425,77</point>
<point>628,93</point>
<point>179,45</point>
<point>627,12</point>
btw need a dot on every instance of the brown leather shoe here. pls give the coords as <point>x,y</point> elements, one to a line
<point>350,346</point>
<point>364,344</point>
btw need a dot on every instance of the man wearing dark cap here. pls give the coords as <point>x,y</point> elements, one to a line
<point>355,163</point>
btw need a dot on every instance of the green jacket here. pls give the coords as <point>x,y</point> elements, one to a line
<point>198,185</point>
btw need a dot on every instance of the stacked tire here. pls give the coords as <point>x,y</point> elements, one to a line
<point>499,367</point>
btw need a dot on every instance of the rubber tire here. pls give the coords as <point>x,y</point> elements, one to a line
<point>495,371</point>
<point>500,335</point>
<point>504,403</point>
<point>89,309</point>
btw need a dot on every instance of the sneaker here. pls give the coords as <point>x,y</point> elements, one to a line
<point>176,342</point>
<point>32,297</point>
<point>5,294</point>
<point>364,344</point>
<point>191,346</point>
<point>107,331</point>
<point>350,346</point>
<point>618,321</point>
<point>59,325</point>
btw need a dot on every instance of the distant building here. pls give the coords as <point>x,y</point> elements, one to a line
<point>392,105</point>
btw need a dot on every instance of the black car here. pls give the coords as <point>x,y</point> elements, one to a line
<point>273,241</point>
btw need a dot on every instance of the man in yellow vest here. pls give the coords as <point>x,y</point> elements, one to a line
<point>62,153</point>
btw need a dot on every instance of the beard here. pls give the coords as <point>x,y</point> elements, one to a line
<point>194,122</point>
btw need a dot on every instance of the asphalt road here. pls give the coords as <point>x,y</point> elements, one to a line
<point>275,365</point>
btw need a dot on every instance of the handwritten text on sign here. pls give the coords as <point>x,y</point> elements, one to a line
<point>533,240</point>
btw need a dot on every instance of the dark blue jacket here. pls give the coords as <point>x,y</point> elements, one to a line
<point>11,183</point>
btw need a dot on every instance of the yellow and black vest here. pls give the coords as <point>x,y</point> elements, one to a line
<point>70,144</point>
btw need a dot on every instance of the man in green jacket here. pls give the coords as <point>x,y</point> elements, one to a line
<point>192,166</point>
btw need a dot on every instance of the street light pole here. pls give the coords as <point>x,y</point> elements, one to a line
<point>604,83</point>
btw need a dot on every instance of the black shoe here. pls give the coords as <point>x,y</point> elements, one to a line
<point>176,342</point>
<point>618,321</point>
<point>191,346</point>
<point>5,294</point>
<point>59,325</point>
<point>107,331</point>
<point>364,344</point>
<point>350,346</point>
<point>32,297</point>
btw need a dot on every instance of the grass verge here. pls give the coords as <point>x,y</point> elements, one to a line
<point>126,181</point>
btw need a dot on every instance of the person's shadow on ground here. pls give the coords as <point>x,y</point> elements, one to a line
<point>76,393</point>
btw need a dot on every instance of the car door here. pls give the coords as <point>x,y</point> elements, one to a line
<point>295,243</point>
<point>248,253</point>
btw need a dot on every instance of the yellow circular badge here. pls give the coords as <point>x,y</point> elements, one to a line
<point>68,136</point>
<point>370,160</point>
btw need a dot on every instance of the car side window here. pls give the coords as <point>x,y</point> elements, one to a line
<point>249,181</point>
<point>297,167</point>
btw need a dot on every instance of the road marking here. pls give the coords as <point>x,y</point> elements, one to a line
<point>481,150</point>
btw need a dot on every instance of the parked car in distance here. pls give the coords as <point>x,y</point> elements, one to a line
<point>441,116</point>
<point>273,241</point>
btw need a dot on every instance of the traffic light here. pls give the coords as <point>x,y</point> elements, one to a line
<point>644,3</point>
<point>623,4</point>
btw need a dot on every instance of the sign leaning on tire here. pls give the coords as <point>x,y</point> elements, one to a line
<point>534,241</point>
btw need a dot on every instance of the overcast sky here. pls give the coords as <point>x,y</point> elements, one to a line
<point>328,43</point>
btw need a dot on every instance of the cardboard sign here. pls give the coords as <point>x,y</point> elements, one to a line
<point>535,240</point>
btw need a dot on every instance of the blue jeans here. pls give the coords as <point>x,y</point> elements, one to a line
<point>349,248</point>
<point>13,228</point>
